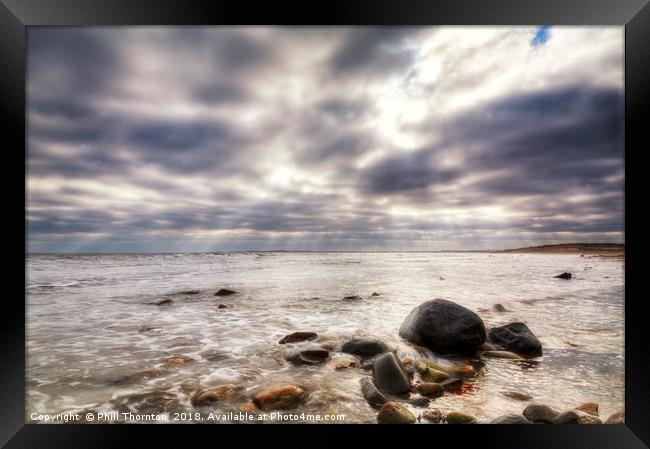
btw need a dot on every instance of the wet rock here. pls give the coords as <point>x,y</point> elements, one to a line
<point>585,418</point>
<point>564,275</point>
<point>434,416</point>
<point>453,385</point>
<point>297,337</point>
<point>341,363</point>
<point>462,371</point>
<point>430,389</point>
<point>247,407</point>
<point>460,418</point>
<point>371,394</point>
<point>286,397</point>
<point>487,347</point>
<point>375,294</point>
<point>540,413</point>
<point>501,355</point>
<point>190,292</point>
<point>511,419</point>
<point>150,402</point>
<point>499,308</point>
<point>569,417</point>
<point>309,357</point>
<point>588,407</point>
<point>364,347</point>
<point>389,375</point>
<point>214,355</point>
<point>393,413</point>
<point>517,338</point>
<point>517,395</point>
<point>225,306</point>
<point>178,360</point>
<point>137,377</point>
<point>225,292</point>
<point>443,326</point>
<point>216,393</point>
<point>418,402</point>
<point>616,418</point>
<point>429,373</point>
<point>164,302</point>
<point>352,298</point>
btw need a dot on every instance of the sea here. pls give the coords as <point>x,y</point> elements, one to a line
<point>97,338</point>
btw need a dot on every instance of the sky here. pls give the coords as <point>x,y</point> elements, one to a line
<point>178,139</point>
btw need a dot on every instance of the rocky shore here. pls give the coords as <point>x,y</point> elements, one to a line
<point>402,387</point>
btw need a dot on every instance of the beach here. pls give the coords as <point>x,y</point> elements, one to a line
<point>146,333</point>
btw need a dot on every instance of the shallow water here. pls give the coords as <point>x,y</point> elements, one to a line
<point>89,324</point>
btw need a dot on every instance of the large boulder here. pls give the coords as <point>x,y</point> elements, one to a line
<point>389,375</point>
<point>517,338</point>
<point>443,326</point>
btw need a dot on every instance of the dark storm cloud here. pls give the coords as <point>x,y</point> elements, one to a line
<point>147,136</point>
<point>375,51</point>
<point>541,143</point>
<point>407,172</point>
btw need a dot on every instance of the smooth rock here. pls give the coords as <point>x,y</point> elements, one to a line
<point>429,373</point>
<point>371,394</point>
<point>517,338</point>
<point>393,413</point>
<point>216,393</point>
<point>340,363</point>
<point>517,395</point>
<point>389,375</point>
<point>499,308</point>
<point>309,357</point>
<point>247,407</point>
<point>540,413</point>
<point>511,419</point>
<point>443,326</point>
<point>286,397</point>
<point>434,416</point>
<point>460,418</point>
<point>364,347</point>
<point>453,385</point>
<point>568,417</point>
<point>178,360</point>
<point>352,298</point>
<point>588,419</point>
<point>430,389</point>
<point>375,294</point>
<point>501,355</point>
<point>418,402</point>
<point>616,418</point>
<point>588,407</point>
<point>298,337</point>
<point>564,275</point>
<point>214,355</point>
<point>225,292</point>
<point>225,306</point>
<point>137,377</point>
<point>462,371</point>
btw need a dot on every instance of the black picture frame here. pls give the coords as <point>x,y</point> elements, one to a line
<point>17,15</point>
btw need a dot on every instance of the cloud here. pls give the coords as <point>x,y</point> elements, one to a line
<point>221,138</point>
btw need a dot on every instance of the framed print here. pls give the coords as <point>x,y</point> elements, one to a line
<point>346,216</point>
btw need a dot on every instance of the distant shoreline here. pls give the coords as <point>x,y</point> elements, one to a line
<point>592,249</point>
